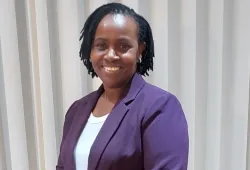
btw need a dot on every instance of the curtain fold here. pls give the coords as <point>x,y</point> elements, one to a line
<point>201,55</point>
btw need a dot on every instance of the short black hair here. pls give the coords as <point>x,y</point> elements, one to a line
<point>144,35</point>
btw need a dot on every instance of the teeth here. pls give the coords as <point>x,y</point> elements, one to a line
<point>111,68</point>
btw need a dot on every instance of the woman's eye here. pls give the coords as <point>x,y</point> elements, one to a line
<point>101,46</point>
<point>124,47</point>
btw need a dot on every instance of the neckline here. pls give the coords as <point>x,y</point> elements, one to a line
<point>94,119</point>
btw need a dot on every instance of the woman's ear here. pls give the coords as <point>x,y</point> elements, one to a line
<point>142,47</point>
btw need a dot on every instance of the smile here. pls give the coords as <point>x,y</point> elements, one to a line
<point>111,69</point>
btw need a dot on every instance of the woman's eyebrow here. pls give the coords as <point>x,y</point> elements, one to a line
<point>100,38</point>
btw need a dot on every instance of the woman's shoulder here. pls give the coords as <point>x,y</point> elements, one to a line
<point>160,102</point>
<point>156,92</point>
<point>76,104</point>
<point>157,99</point>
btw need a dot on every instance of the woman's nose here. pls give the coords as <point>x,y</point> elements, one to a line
<point>111,55</point>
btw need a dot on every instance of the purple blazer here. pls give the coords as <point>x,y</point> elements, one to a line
<point>146,130</point>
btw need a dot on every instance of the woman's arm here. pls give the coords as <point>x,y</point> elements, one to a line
<point>67,123</point>
<point>165,136</point>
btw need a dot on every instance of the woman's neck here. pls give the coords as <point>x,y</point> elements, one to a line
<point>114,94</point>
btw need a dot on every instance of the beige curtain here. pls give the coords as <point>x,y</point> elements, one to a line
<point>202,56</point>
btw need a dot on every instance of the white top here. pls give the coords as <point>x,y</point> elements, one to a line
<point>86,140</point>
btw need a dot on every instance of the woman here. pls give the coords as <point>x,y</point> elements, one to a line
<point>127,124</point>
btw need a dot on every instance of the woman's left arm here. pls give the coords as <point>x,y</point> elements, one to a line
<point>165,136</point>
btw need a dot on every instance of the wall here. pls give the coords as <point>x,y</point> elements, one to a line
<point>202,56</point>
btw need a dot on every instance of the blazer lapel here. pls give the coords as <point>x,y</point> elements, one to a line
<point>113,121</point>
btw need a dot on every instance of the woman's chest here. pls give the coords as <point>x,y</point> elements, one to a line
<point>124,150</point>
<point>118,144</point>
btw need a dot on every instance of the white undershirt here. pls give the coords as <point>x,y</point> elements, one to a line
<point>86,140</point>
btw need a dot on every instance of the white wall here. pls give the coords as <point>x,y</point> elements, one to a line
<point>202,56</point>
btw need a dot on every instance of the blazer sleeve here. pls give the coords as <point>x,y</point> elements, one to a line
<point>165,136</point>
<point>67,123</point>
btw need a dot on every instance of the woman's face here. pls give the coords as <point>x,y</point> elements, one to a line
<point>115,50</point>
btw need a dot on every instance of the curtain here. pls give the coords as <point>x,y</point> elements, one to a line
<point>202,56</point>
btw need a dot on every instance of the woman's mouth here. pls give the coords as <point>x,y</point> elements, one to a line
<point>111,69</point>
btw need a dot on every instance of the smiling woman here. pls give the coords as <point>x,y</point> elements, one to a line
<point>127,123</point>
<point>116,50</point>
